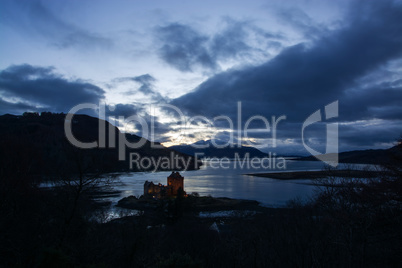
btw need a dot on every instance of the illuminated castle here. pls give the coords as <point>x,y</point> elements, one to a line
<point>174,187</point>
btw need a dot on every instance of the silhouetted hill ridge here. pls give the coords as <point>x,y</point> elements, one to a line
<point>389,156</point>
<point>228,151</point>
<point>37,144</point>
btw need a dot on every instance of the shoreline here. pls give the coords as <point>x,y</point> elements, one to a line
<point>295,175</point>
<point>195,204</point>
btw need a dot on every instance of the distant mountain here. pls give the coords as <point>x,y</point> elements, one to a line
<point>389,156</point>
<point>212,151</point>
<point>37,144</point>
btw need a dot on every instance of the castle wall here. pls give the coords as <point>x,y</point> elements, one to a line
<point>175,182</point>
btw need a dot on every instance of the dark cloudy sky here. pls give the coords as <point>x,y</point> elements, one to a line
<point>275,57</point>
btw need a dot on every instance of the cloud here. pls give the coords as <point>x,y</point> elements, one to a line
<point>379,101</point>
<point>31,88</point>
<point>183,47</point>
<point>302,79</point>
<point>231,42</point>
<point>33,18</point>
<point>299,20</point>
<point>146,82</point>
<point>186,49</point>
<point>152,127</point>
<point>125,110</point>
<point>374,132</point>
<point>15,108</point>
<point>40,88</point>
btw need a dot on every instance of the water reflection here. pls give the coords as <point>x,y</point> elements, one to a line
<point>229,182</point>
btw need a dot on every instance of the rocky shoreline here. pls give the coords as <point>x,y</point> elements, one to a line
<point>193,203</point>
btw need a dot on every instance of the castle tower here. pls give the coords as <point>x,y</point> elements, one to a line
<point>175,182</point>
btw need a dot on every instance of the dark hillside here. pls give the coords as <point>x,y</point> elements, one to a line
<point>389,156</point>
<point>212,151</point>
<point>37,144</point>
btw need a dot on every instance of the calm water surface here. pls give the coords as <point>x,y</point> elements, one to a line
<point>228,182</point>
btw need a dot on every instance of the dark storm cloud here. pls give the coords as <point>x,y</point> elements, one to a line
<point>42,89</point>
<point>183,47</point>
<point>15,108</point>
<point>125,110</point>
<point>381,101</point>
<point>356,136</point>
<point>299,20</point>
<point>231,41</point>
<point>302,79</point>
<point>33,18</point>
